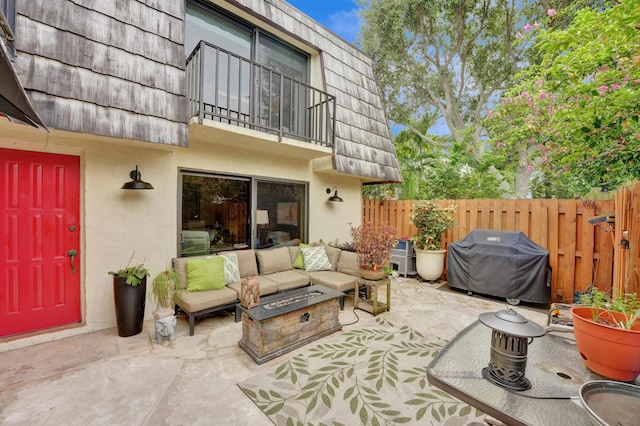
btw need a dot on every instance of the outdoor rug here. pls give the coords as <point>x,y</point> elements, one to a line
<point>375,375</point>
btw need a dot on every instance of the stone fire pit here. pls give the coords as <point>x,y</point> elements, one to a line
<point>285,321</point>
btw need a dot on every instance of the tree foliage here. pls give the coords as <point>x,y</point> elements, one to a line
<point>575,116</point>
<point>452,59</point>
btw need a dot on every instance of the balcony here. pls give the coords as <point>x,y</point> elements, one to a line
<point>227,88</point>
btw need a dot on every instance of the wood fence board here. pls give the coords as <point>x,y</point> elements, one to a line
<point>497,214</point>
<point>633,276</point>
<point>585,239</point>
<point>536,214</point>
<point>569,259</point>
<point>552,245</point>
<point>473,215</point>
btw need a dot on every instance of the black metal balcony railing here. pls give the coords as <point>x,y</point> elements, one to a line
<point>225,87</point>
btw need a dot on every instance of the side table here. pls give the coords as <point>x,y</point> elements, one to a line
<point>371,303</point>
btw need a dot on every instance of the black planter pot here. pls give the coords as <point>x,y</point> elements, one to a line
<point>129,302</point>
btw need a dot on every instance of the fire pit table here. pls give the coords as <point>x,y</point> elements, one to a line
<point>553,367</point>
<point>285,321</point>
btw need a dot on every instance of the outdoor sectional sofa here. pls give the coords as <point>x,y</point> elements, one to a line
<point>275,271</point>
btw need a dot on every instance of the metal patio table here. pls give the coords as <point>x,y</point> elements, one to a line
<point>554,368</point>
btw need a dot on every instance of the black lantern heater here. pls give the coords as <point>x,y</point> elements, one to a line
<point>510,339</point>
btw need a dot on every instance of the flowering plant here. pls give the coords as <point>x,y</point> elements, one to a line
<point>373,245</point>
<point>430,220</point>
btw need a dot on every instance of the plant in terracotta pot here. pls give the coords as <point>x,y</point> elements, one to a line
<point>130,292</point>
<point>607,332</point>
<point>373,245</point>
<point>431,221</point>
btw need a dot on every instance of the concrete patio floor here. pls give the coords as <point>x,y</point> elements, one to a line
<point>102,379</point>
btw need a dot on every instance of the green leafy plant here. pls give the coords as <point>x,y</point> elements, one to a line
<point>430,220</point>
<point>134,274</point>
<point>602,304</point>
<point>373,245</point>
<point>162,287</point>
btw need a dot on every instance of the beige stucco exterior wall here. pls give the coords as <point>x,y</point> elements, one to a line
<point>116,223</point>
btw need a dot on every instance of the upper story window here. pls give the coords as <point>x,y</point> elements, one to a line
<point>239,74</point>
<point>242,39</point>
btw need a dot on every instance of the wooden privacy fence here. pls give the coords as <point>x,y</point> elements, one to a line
<point>580,253</point>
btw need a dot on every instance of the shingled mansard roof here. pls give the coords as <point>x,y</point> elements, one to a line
<point>123,75</point>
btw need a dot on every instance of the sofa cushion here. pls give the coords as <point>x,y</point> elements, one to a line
<point>247,263</point>
<point>274,260</point>
<point>205,274</point>
<point>197,301</point>
<point>231,269</point>
<point>266,286</point>
<point>299,262</point>
<point>315,259</point>
<point>348,263</point>
<point>333,254</point>
<point>180,267</point>
<point>333,280</point>
<point>288,280</point>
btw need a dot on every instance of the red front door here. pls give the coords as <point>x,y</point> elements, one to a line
<point>39,227</point>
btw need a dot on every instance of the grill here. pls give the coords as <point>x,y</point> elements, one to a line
<point>510,340</point>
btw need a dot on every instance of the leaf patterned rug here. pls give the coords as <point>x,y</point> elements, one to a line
<point>375,375</point>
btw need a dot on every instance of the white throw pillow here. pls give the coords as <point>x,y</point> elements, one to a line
<point>231,269</point>
<point>315,259</point>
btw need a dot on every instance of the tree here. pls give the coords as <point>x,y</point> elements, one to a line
<point>577,112</point>
<point>452,57</point>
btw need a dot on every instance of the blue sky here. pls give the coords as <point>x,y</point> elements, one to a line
<point>340,16</point>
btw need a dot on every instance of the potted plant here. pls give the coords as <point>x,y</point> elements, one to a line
<point>430,220</point>
<point>373,245</point>
<point>129,290</point>
<point>607,332</point>
<point>163,287</point>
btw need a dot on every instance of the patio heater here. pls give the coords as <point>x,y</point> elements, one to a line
<point>510,339</point>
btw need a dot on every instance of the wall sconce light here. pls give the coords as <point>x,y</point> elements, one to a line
<point>137,182</point>
<point>334,197</point>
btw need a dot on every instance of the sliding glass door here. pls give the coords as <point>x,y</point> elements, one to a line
<point>216,213</point>
<point>281,212</point>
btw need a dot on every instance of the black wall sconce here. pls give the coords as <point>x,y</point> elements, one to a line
<point>334,197</point>
<point>137,182</point>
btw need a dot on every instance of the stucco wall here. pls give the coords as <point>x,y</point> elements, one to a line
<point>117,223</point>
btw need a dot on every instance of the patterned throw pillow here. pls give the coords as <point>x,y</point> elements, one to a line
<point>231,268</point>
<point>315,259</point>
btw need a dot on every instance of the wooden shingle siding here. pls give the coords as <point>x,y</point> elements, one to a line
<point>363,144</point>
<point>109,67</point>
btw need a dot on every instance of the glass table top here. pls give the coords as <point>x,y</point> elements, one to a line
<point>554,368</point>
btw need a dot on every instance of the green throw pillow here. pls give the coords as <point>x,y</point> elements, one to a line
<point>205,274</point>
<point>299,262</point>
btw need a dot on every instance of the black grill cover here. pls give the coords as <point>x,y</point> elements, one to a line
<point>502,264</point>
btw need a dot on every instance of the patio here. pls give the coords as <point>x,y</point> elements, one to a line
<point>99,378</point>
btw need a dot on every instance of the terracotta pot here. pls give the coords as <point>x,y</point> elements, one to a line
<point>368,274</point>
<point>612,352</point>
